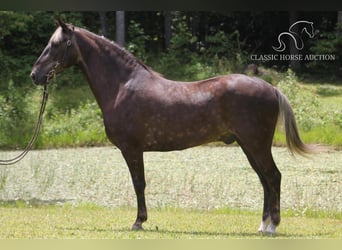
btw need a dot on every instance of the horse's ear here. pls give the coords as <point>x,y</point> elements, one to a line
<point>60,23</point>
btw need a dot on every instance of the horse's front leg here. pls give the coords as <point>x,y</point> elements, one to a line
<point>135,162</point>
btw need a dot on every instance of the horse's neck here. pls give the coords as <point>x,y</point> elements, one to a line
<point>104,70</point>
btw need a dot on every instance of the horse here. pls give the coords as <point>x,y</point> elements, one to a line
<point>302,26</point>
<point>143,111</point>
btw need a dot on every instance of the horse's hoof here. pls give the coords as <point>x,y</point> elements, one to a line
<point>267,227</point>
<point>264,224</point>
<point>137,227</point>
<point>269,230</point>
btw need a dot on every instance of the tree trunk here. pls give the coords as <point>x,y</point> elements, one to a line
<point>120,28</point>
<point>339,23</point>
<point>203,26</point>
<point>195,22</point>
<point>104,25</point>
<point>294,64</point>
<point>167,29</point>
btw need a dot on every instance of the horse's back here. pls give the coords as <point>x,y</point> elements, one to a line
<point>247,86</point>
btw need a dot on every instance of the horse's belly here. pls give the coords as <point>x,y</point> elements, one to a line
<point>169,140</point>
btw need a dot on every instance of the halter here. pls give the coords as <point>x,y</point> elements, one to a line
<point>52,73</point>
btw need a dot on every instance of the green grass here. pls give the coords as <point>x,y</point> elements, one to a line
<point>326,135</point>
<point>203,192</point>
<point>322,121</point>
<point>330,100</point>
<point>330,96</point>
<point>89,222</point>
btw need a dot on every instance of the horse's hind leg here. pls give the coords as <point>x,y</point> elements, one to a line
<point>262,162</point>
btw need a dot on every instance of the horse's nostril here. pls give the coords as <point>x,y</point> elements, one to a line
<point>33,76</point>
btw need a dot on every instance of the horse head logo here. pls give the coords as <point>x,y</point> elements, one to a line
<point>303,27</point>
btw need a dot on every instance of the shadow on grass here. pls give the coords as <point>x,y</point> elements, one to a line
<point>174,234</point>
<point>232,234</point>
<point>209,233</point>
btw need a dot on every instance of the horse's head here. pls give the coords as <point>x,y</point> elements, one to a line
<point>309,29</point>
<point>59,54</point>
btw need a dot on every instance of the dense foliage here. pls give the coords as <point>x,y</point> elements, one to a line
<point>197,37</point>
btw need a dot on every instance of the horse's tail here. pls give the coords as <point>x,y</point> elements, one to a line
<point>282,45</point>
<point>293,140</point>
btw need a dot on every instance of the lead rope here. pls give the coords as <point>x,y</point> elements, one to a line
<point>35,133</point>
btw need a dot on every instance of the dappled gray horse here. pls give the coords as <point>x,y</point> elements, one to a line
<point>142,111</point>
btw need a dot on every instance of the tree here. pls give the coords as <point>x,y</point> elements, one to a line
<point>104,25</point>
<point>167,28</point>
<point>120,28</point>
<point>339,24</point>
<point>295,64</point>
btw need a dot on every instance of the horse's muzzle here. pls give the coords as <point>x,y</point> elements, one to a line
<point>37,79</point>
<point>33,76</point>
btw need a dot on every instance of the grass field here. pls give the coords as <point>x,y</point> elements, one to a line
<point>204,192</point>
<point>87,221</point>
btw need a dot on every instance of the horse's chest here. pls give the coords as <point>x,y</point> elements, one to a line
<point>123,127</point>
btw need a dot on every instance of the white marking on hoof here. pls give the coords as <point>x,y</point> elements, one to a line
<point>271,229</point>
<point>264,224</point>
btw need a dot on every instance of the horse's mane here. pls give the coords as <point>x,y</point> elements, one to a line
<point>121,52</point>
